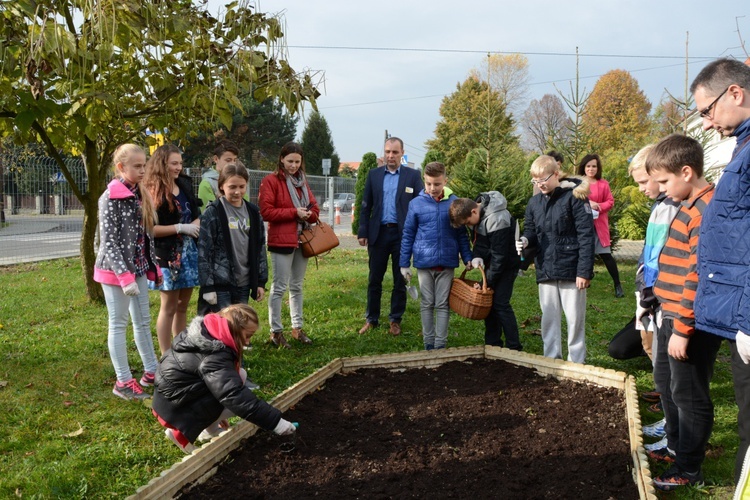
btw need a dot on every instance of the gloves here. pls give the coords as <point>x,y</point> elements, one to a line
<point>406,273</point>
<point>188,230</point>
<point>284,428</point>
<point>131,289</point>
<point>743,346</point>
<point>648,299</point>
<point>210,297</point>
<point>477,262</point>
<point>521,244</point>
<point>640,312</point>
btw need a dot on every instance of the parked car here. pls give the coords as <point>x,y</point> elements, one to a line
<point>343,201</point>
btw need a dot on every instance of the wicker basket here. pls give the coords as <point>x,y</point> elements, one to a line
<point>470,302</point>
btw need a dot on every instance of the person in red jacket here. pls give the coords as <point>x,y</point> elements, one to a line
<point>286,204</point>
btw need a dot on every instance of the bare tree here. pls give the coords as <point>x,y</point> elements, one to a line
<point>546,122</point>
<point>508,75</point>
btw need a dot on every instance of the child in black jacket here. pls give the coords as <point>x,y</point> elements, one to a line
<point>492,233</point>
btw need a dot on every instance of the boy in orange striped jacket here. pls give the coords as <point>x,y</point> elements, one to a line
<point>685,356</point>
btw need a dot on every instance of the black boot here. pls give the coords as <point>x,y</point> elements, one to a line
<point>618,291</point>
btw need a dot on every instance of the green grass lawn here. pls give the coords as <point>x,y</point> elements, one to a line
<point>64,435</point>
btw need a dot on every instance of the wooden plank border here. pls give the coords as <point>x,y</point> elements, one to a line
<point>198,467</point>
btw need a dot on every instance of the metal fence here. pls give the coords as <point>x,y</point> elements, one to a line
<point>42,219</point>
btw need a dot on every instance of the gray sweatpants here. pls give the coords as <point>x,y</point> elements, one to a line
<point>435,287</point>
<point>554,298</point>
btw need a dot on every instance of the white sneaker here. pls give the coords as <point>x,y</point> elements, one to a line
<point>187,449</point>
<point>208,434</point>
<point>662,443</point>
<point>655,430</point>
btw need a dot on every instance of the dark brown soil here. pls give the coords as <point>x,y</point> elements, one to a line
<point>478,429</point>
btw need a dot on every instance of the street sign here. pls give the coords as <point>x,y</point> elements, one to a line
<point>405,161</point>
<point>326,166</point>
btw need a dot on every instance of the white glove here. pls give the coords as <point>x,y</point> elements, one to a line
<point>210,297</point>
<point>131,289</point>
<point>191,230</point>
<point>477,262</point>
<point>406,273</point>
<point>284,428</point>
<point>639,312</point>
<point>743,346</point>
<point>521,244</point>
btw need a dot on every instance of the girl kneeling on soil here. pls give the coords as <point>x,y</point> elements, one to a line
<point>199,382</point>
<point>125,261</point>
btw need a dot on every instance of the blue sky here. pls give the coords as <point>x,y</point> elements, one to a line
<point>367,91</point>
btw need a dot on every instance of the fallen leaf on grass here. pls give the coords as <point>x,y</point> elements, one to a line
<point>3,383</point>
<point>597,308</point>
<point>30,384</point>
<point>74,433</point>
<point>68,403</point>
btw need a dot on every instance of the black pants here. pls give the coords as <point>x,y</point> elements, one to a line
<point>611,265</point>
<point>685,396</point>
<point>387,246</point>
<point>741,378</point>
<point>626,343</point>
<point>502,318</point>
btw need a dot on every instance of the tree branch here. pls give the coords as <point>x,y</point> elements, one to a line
<point>52,151</point>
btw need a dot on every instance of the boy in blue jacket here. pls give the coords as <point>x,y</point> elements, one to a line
<point>436,245</point>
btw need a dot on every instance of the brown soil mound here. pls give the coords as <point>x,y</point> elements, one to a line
<point>477,429</point>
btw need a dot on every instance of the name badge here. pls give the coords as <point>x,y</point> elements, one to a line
<point>409,189</point>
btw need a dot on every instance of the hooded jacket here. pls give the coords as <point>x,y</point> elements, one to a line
<point>199,377</point>
<point>494,237</point>
<point>208,189</point>
<point>428,234</point>
<point>116,237</point>
<point>561,226</point>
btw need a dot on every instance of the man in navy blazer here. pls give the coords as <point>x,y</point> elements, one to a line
<point>388,191</point>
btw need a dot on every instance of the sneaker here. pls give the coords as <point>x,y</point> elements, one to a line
<point>655,408</point>
<point>251,385</point>
<point>662,443</point>
<point>651,396</point>
<point>655,430</point>
<point>147,379</point>
<point>129,390</point>
<point>675,477</point>
<point>208,433</point>
<point>664,455</point>
<point>187,449</point>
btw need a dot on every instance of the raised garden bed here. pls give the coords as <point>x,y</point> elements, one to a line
<point>472,421</point>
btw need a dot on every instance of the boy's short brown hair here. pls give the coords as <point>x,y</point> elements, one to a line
<point>674,152</point>
<point>434,169</point>
<point>460,211</point>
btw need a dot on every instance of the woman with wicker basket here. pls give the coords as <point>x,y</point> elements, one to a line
<point>436,246</point>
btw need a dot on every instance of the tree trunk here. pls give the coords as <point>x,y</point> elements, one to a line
<point>88,257</point>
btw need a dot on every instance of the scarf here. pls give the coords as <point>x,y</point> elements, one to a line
<point>293,183</point>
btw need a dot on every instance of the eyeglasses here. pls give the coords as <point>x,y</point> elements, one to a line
<point>706,112</point>
<point>542,181</point>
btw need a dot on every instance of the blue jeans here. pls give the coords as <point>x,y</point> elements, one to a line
<point>118,305</point>
<point>235,295</point>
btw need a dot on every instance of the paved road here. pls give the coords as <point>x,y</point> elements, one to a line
<point>30,238</point>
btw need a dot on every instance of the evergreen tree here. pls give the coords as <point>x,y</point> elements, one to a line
<point>317,144</point>
<point>369,162</point>
<point>431,156</point>
<point>259,130</point>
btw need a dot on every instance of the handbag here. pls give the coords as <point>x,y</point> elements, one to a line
<point>318,238</point>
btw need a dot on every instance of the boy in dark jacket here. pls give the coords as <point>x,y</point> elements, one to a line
<point>559,223</point>
<point>493,233</point>
<point>200,384</point>
<point>436,246</point>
